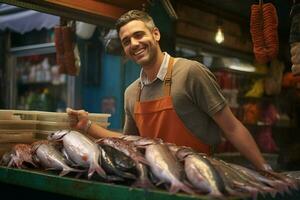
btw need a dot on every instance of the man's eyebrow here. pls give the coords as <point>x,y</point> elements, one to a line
<point>125,38</point>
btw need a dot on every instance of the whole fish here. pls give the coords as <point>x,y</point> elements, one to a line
<point>201,173</point>
<point>81,150</point>
<point>124,147</point>
<point>50,158</point>
<point>119,159</point>
<point>130,151</point>
<point>165,167</point>
<point>249,180</point>
<point>21,154</point>
<point>233,183</point>
<point>279,185</point>
<point>109,166</point>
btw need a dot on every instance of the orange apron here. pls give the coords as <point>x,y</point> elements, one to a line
<point>158,119</point>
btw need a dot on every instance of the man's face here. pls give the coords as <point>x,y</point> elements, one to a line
<point>139,43</point>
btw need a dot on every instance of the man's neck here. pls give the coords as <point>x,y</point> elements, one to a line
<point>152,70</point>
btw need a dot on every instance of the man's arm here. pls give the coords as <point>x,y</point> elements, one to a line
<point>240,137</point>
<point>79,120</point>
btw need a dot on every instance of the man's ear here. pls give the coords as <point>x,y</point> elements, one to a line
<point>156,34</point>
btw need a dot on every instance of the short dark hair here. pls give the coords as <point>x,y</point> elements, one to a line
<point>135,15</point>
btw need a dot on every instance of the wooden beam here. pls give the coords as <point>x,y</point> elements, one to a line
<point>91,6</point>
<point>89,11</point>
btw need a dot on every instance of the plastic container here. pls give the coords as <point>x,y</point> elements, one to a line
<point>17,115</point>
<point>63,117</point>
<point>52,126</point>
<point>18,124</point>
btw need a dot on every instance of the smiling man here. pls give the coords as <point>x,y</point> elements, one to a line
<point>175,99</point>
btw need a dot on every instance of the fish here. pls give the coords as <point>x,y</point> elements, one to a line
<point>201,173</point>
<point>124,147</point>
<point>141,141</point>
<point>81,150</point>
<point>109,166</point>
<point>279,185</point>
<point>51,158</point>
<point>120,160</point>
<point>130,151</point>
<point>234,185</point>
<point>21,154</point>
<point>166,167</point>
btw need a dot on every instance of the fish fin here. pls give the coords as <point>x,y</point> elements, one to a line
<point>64,172</point>
<point>144,183</point>
<point>175,187</point>
<point>143,160</point>
<point>126,175</point>
<point>159,183</point>
<point>98,169</point>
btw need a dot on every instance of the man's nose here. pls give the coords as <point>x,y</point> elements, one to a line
<point>134,42</point>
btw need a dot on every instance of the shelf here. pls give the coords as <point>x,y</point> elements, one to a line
<point>251,74</point>
<point>29,50</point>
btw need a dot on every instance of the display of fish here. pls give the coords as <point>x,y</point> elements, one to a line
<point>81,150</point>
<point>51,159</point>
<point>144,162</point>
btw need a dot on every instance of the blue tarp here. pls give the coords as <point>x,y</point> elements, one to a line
<point>23,21</point>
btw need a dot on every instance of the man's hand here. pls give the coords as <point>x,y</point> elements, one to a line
<point>78,119</point>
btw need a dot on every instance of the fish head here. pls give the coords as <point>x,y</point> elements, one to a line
<point>183,152</point>
<point>58,135</point>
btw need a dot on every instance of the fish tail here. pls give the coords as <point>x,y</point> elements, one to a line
<point>175,187</point>
<point>96,168</point>
<point>64,172</point>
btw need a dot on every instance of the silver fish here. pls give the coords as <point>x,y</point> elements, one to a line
<point>201,173</point>
<point>51,158</point>
<point>81,150</point>
<point>130,151</point>
<point>165,167</point>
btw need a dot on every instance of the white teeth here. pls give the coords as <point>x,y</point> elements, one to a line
<point>139,52</point>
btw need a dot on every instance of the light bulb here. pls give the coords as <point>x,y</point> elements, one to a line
<point>219,36</point>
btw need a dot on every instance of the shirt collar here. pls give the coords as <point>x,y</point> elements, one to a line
<point>161,73</point>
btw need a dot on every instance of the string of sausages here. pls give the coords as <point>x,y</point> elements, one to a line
<point>263,28</point>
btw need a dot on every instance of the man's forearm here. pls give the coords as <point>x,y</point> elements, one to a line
<point>245,144</point>
<point>99,132</point>
<point>240,137</point>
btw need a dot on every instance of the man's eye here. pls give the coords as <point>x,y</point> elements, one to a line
<point>125,42</point>
<point>138,35</point>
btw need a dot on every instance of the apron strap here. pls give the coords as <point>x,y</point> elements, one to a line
<point>167,81</point>
<point>168,78</point>
<point>138,96</point>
